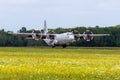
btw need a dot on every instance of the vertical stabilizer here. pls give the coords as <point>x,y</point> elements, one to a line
<point>45,27</point>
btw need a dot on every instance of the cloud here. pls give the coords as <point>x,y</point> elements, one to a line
<point>67,12</point>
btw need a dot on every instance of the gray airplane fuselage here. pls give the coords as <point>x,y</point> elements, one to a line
<point>61,39</point>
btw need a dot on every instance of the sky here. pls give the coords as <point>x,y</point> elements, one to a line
<point>31,14</point>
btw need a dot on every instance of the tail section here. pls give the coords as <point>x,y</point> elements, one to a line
<point>45,27</point>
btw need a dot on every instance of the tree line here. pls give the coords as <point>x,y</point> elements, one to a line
<point>111,41</point>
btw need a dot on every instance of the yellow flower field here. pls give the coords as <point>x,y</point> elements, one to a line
<point>42,63</point>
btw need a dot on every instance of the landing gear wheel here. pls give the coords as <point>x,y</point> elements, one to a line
<point>53,46</point>
<point>64,46</point>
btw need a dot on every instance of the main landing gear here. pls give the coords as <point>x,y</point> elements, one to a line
<point>64,46</point>
<point>53,46</point>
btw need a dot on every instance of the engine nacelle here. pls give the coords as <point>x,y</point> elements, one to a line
<point>88,35</point>
<point>51,37</point>
<point>77,37</point>
<point>36,36</point>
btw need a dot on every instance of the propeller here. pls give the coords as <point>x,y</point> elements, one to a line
<point>36,36</point>
<point>88,35</point>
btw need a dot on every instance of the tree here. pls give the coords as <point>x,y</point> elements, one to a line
<point>23,29</point>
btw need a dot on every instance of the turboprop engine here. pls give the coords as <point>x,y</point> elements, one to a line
<point>76,35</point>
<point>88,35</point>
<point>36,36</point>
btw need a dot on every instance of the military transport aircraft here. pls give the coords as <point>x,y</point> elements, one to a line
<point>62,39</point>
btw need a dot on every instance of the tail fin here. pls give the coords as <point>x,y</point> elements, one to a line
<point>45,27</point>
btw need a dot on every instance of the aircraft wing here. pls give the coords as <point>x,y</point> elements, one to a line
<point>26,35</point>
<point>88,37</point>
<point>93,35</point>
<point>100,34</point>
<point>21,34</point>
<point>35,36</point>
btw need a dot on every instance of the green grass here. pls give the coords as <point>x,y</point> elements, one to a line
<point>43,63</point>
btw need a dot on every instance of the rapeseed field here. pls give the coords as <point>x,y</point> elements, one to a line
<point>44,63</point>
